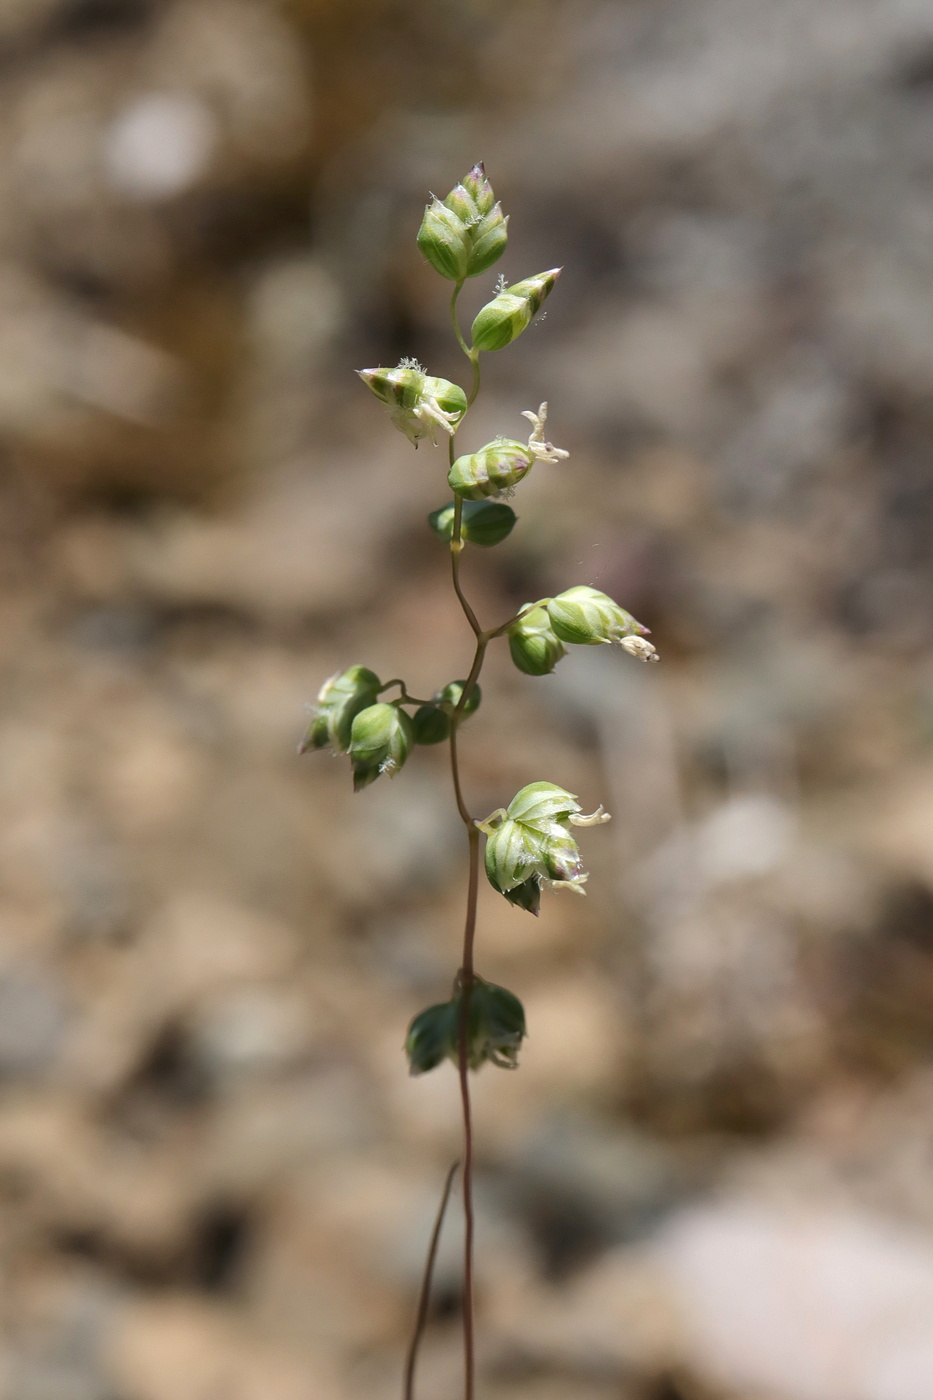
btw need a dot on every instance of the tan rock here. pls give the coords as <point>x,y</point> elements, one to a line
<point>180,1348</point>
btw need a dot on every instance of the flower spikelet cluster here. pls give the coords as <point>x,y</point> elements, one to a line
<point>530,844</point>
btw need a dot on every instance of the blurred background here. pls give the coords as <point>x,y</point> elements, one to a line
<point>712,1178</point>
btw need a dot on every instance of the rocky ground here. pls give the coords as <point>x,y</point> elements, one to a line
<point>712,1178</point>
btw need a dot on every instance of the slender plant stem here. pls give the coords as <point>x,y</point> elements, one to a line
<point>456,549</point>
<point>472,355</point>
<point>466,974</point>
<point>403,694</point>
<point>424,1298</point>
<point>482,642</point>
<point>458,288</point>
<point>455,774</point>
<point>504,627</point>
<point>474,360</point>
<point>466,978</point>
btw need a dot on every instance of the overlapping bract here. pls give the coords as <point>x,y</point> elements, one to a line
<point>381,738</point>
<point>419,404</point>
<point>466,233</point>
<point>339,701</point>
<point>529,844</point>
<point>512,310</point>
<point>580,616</point>
<point>534,645</point>
<point>497,468</point>
<point>496,1028</point>
<point>378,735</point>
<point>583,616</point>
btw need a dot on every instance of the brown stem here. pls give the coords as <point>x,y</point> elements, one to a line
<point>456,549</point>
<point>482,643</point>
<point>466,975</point>
<point>403,693</point>
<point>453,316</point>
<point>472,355</point>
<point>456,721</point>
<point>424,1297</point>
<point>504,627</point>
<point>455,774</point>
<point>466,978</point>
<point>474,361</point>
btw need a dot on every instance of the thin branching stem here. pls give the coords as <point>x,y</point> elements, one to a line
<point>466,974</point>
<point>454,296</point>
<point>504,627</point>
<point>455,774</point>
<point>474,360</point>
<point>472,355</point>
<point>424,1297</point>
<point>479,656</point>
<point>465,979</point>
<point>456,549</point>
<point>404,696</point>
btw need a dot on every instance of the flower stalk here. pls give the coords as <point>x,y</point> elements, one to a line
<point>530,844</point>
